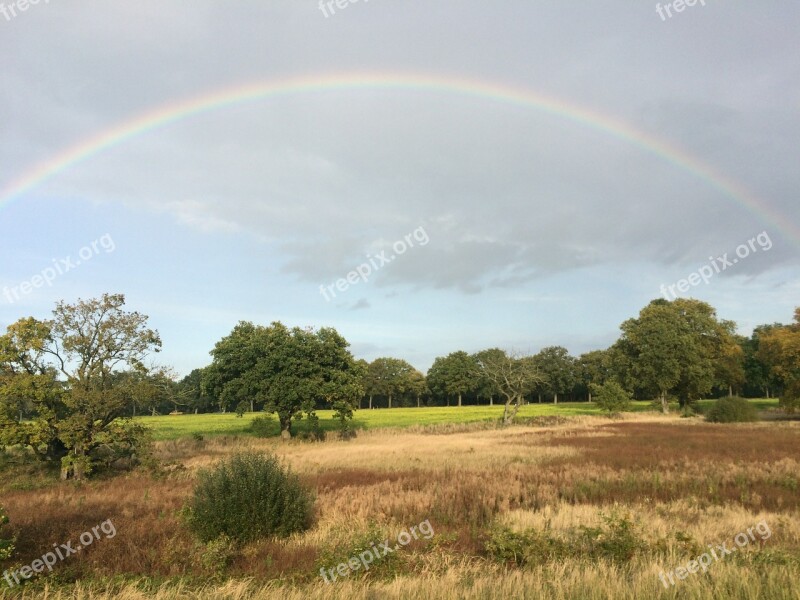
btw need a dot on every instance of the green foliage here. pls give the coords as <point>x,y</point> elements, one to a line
<point>559,370</point>
<point>262,426</point>
<point>454,375</point>
<point>65,382</point>
<point>217,554</point>
<point>617,539</point>
<point>611,396</point>
<point>247,497</point>
<point>346,543</point>
<point>678,348</point>
<point>286,371</point>
<point>6,545</point>
<point>732,410</point>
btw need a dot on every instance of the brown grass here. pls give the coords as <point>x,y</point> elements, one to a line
<point>671,474</point>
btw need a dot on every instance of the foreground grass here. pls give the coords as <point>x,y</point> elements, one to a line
<point>682,484</point>
<point>173,427</point>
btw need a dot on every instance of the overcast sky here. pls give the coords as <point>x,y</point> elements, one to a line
<point>519,227</point>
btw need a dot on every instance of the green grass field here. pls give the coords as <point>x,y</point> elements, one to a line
<point>179,426</point>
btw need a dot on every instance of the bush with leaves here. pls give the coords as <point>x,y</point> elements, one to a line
<point>611,397</point>
<point>247,497</point>
<point>732,410</point>
<point>6,545</point>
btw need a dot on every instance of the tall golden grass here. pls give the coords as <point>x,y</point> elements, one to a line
<point>671,475</point>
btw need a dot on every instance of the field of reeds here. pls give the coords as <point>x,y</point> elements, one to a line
<point>559,507</point>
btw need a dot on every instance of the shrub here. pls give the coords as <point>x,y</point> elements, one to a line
<point>6,546</point>
<point>617,540</point>
<point>611,396</point>
<point>263,427</point>
<point>247,497</point>
<point>732,410</point>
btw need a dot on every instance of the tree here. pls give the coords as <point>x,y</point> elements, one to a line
<point>513,376</point>
<point>455,375</point>
<point>289,371</point>
<point>69,369</point>
<point>675,347</point>
<point>417,385</point>
<point>780,349</point>
<point>730,367</point>
<point>487,388</point>
<point>611,396</point>
<point>558,369</point>
<point>594,368</point>
<point>388,378</point>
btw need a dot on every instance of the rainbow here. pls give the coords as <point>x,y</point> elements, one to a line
<point>171,113</point>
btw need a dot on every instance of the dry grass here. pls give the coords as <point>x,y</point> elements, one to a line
<point>709,482</point>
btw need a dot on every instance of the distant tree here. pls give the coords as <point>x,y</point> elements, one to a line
<point>611,396</point>
<point>594,368</point>
<point>455,375</point>
<point>289,371</point>
<point>675,347</point>
<point>558,369</point>
<point>417,386</point>
<point>191,388</point>
<point>730,366</point>
<point>514,377</point>
<point>487,388</point>
<point>780,349</point>
<point>388,378</point>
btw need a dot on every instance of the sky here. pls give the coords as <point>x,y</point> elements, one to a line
<point>424,177</point>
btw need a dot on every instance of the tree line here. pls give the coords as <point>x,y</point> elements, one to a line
<point>69,385</point>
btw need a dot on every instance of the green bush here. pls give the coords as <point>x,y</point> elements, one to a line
<point>6,546</point>
<point>611,397</point>
<point>732,410</point>
<point>263,427</point>
<point>616,539</point>
<point>247,497</point>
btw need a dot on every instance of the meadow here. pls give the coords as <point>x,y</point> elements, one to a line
<point>566,504</point>
<point>171,427</point>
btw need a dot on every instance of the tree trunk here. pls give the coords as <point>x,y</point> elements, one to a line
<point>555,398</point>
<point>730,391</point>
<point>417,401</point>
<point>448,400</point>
<point>370,401</point>
<point>540,398</point>
<point>590,396</point>
<point>251,406</point>
<point>459,398</point>
<point>664,403</point>
<point>390,401</point>
<point>286,427</point>
<point>510,411</point>
<point>491,400</point>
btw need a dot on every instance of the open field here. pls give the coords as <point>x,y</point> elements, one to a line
<point>172,427</point>
<point>583,507</point>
